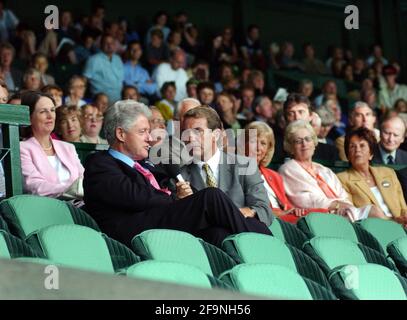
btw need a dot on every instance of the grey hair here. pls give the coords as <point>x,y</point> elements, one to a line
<point>290,131</point>
<point>122,114</point>
<point>181,103</point>
<point>326,115</point>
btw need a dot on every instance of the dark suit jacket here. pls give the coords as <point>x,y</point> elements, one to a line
<point>17,76</point>
<point>113,192</point>
<point>239,178</point>
<point>401,157</point>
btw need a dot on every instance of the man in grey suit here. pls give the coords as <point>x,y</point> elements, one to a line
<point>237,176</point>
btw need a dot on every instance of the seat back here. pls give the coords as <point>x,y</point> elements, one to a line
<point>75,246</point>
<point>288,233</point>
<point>172,246</point>
<point>385,231</point>
<point>397,250</point>
<point>268,280</point>
<point>335,252</point>
<point>26,214</point>
<point>4,250</point>
<point>327,225</point>
<point>369,282</point>
<point>258,248</point>
<point>173,272</point>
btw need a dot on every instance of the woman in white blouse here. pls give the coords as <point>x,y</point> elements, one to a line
<point>49,167</point>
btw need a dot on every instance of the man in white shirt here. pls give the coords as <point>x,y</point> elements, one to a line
<point>237,176</point>
<point>173,71</point>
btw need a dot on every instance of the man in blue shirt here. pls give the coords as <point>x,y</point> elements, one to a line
<point>105,71</point>
<point>135,74</point>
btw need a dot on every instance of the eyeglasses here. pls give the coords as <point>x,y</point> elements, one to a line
<point>93,117</point>
<point>301,140</point>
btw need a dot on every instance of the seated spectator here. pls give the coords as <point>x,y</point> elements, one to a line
<point>91,120</point>
<point>339,127</point>
<point>367,185</point>
<point>227,112</point>
<point>359,68</point>
<point>260,145</point>
<point>86,46</point>
<point>49,44</point>
<point>400,106</point>
<point>191,43</point>
<point>24,42</point>
<point>329,91</point>
<point>68,125</point>
<point>173,71</point>
<point>391,91</point>
<point>206,93</point>
<point>168,104</point>
<point>337,54</point>
<point>66,29</point>
<point>174,40</point>
<point>76,91</point>
<point>311,185</point>
<point>55,92</point>
<point>12,76</point>
<point>134,74</point>
<point>286,58</point>
<point>263,109</point>
<point>130,92</point>
<point>49,167</point>
<point>347,72</point>
<point>157,50</point>
<point>237,176</point>
<point>4,93</point>
<point>192,87</point>
<point>327,123</point>
<point>101,101</point>
<point>125,199</point>
<point>392,135</point>
<point>157,127</point>
<point>225,74</point>
<point>256,80</point>
<point>159,23</point>
<point>200,70</point>
<point>224,48</point>
<point>376,56</point>
<point>8,22</point>
<point>15,99</point>
<point>310,63</point>
<point>40,62</point>
<point>251,50</point>
<point>105,71</point>
<point>32,80</point>
<point>306,88</point>
<point>113,29</point>
<point>360,116</point>
<point>247,95</point>
<point>369,96</point>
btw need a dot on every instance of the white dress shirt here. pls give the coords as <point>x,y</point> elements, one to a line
<point>213,164</point>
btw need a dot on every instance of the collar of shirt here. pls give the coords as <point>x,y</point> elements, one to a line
<point>385,154</point>
<point>213,163</point>
<point>122,157</point>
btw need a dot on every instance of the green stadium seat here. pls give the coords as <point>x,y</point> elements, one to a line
<point>81,247</point>
<point>335,226</point>
<point>368,282</point>
<point>26,214</point>
<point>12,247</point>
<point>397,250</point>
<point>331,253</point>
<point>260,248</point>
<point>385,231</point>
<point>178,246</point>
<point>288,233</point>
<point>274,281</point>
<point>172,272</point>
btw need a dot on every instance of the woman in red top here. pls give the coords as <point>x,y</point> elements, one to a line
<point>260,145</point>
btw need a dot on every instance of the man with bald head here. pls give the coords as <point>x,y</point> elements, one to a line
<point>392,134</point>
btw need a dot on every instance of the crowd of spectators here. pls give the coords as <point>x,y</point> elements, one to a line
<point>171,65</point>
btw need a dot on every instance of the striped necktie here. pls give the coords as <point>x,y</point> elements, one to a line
<point>210,178</point>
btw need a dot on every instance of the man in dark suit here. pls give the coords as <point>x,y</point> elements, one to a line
<point>235,175</point>
<point>392,134</point>
<point>298,107</point>
<point>125,198</point>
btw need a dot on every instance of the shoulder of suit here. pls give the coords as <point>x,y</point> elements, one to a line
<point>234,159</point>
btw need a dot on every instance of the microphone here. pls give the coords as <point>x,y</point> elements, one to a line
<point>174,171</point>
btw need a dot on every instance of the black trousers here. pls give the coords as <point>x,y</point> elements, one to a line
<point>209,214</point>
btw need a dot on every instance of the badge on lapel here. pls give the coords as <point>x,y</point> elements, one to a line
<point>386,184</point>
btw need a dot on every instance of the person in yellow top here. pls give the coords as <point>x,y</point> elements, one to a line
<point>365,184</point>
<point>168,104</point>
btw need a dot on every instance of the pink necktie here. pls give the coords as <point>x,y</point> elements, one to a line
<point>150,177</point>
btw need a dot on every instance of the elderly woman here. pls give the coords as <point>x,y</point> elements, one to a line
<point>311,185</point>
<point>49,167</point>
<point>365,184</point>
<point>260,145</point>
<point>68,125</point>
<point>92,121</point>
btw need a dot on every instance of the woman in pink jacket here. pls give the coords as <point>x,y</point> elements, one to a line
<point>311,185</point>
<point>49,167</point>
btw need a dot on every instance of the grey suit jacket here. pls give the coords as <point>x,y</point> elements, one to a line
<point>401,157</point>
<point>240,179</point>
